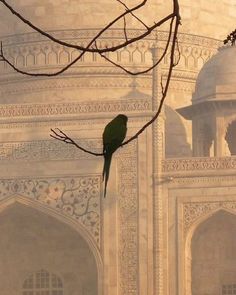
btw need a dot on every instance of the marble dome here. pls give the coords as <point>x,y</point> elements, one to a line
<point>207,18</point>
<point>217,78</point>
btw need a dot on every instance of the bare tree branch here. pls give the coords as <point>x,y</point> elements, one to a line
<point>95,49</point>
<point>99,34</point>
<point>149,68</point>
<point>174,41</point>
<point>162,86</point>
<point>3,58</point>
<point>92,47</point>
<point>172,64</point>
<point>66,44</point>
<point>231,38</point>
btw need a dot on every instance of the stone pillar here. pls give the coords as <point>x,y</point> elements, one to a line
<point>219,141</point>
<point>203,135</point>
<point>188,274</point>
<point>158,154</point>
<point>195,139</point>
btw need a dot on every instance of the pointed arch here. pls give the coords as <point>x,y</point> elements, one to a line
<point>189,240</point>
<point>64,219</point>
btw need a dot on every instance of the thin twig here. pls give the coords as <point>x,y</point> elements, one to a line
<point>162,86</point>
<point>179,54</point>
<point>61,136</point>
<point>125,33</point>
<point>137,18</point>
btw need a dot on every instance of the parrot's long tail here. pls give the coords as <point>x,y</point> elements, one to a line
<point>106,170</point>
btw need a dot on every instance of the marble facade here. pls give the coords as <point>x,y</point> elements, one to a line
<point>140,238</point>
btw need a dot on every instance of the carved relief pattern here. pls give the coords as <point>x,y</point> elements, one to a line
<point>45,150</point>
<point>191,164</point>
<point>32,55</point>
<point>73,108</point>
<point>114,34</point>
<point>49,150</point>
<point>30,86</point>
<point>195,210</point>
<point>158,136</point>
<point>77,197</point>
<point>80,197</point>
<point>128,222</point>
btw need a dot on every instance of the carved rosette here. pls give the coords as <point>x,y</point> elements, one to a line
<point>195,211</point>
<point>128,220</point>
<point>77,197</point>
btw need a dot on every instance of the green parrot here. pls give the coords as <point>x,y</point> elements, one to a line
<point>113,136</point>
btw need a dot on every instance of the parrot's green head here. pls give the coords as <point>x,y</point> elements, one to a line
<point>122,118</point>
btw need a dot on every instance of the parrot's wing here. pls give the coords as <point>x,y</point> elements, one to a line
<point>114,134</point>
<point>115,130</point>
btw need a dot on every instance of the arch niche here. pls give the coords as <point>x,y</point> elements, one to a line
<point>35,238</point>
<point>211,256</point>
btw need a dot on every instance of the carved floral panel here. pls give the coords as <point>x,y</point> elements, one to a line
<point>77,197</point>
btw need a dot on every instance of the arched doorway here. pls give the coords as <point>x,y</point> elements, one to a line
<point>41,255</point>
<point>213,267</point>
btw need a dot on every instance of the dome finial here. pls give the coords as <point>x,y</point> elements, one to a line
<point>231,38</point>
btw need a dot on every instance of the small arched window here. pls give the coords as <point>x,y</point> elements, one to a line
<point>42,283</point>
<point>229,289</point>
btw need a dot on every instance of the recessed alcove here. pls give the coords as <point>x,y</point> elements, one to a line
<point>214,256</point>
<point>33,242</point>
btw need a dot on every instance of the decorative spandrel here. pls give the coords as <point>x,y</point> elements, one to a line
<point>77,197</point>
<point>194,211</point>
